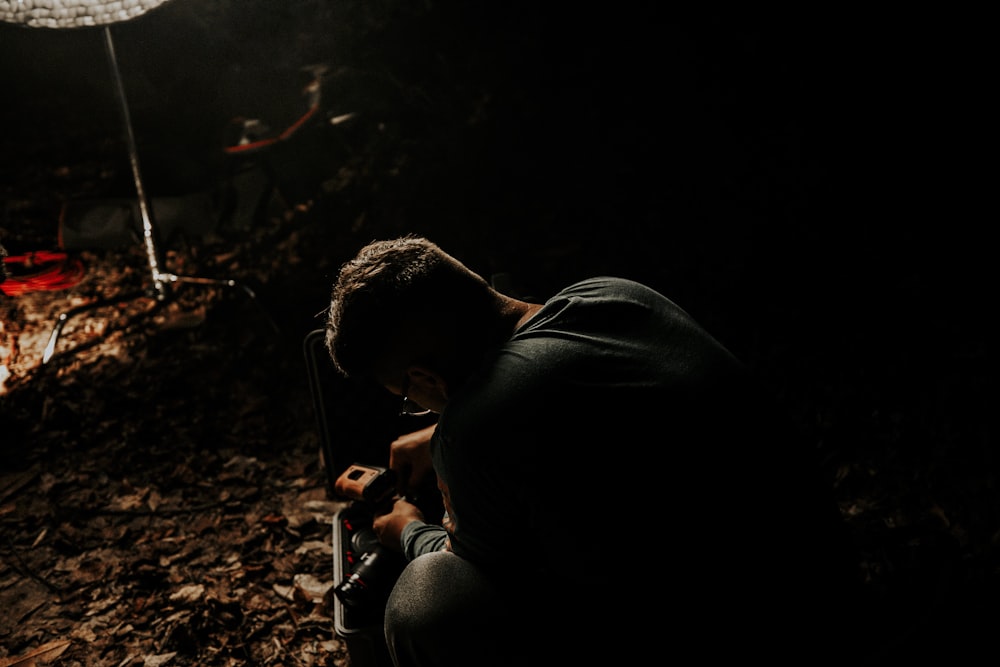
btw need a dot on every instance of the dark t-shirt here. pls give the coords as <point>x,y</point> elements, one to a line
<point>576,413</point>
<point>613,448</point>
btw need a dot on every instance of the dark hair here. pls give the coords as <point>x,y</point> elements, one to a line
<point>393,284</point>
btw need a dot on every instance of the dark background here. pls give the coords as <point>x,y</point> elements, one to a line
<point>808,186</point>
<point>810,175</point>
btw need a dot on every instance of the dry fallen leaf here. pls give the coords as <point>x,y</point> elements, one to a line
<point>190,593</point>
<point>157,660</point>
<point>313,587</point>
<point>284,592</point>
<point>42,655</point>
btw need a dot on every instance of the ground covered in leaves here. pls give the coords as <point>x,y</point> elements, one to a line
<point>162,495</point>
<point>162,491</point>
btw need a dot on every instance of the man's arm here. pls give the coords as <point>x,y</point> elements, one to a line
<point>403,529</point>
<point>420,538</point>
<point>410,459</point>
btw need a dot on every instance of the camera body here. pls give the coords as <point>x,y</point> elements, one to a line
<point>367,483</point>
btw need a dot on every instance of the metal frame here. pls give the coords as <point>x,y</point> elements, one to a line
<point>313,348</point>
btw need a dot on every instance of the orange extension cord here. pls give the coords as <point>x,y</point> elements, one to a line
<point>41,270</point>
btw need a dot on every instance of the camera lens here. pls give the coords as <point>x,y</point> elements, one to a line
<point>372,579</point>
<point>364,541</point>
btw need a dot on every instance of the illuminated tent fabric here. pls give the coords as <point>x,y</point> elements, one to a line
<point>73,13</point>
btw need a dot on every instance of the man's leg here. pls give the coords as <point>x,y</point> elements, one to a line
<point>443,611</point>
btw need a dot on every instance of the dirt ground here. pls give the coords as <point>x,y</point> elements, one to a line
<point>163,499</point>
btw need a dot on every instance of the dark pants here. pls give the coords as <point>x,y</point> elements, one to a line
<point>443,611</point>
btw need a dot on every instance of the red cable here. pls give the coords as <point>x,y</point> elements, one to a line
<point>48,271</point>
<point>261,143</point>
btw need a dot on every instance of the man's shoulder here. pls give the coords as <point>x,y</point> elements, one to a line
<point>604,284</point>
<point>608,288</point>
<point>604,292</point>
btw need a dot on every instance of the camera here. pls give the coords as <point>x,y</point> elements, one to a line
<point>370,568</point>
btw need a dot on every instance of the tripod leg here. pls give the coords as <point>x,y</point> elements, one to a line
<point>148,229</point>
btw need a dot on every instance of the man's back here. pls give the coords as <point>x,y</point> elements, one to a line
<point>614,451</point>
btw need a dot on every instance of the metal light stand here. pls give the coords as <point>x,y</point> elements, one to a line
<point>161,288</point>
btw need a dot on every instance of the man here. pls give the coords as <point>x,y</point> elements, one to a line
<point>616,489</point>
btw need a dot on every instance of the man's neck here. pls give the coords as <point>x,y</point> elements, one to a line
<point>515,313</point>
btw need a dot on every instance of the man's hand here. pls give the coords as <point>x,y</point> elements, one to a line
<point>410,459</point>
<point>388,527</point>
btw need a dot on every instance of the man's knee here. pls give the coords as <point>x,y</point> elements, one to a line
<point>437,588</point>
<point>445,607</point>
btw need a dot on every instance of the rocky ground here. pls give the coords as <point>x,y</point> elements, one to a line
<point>162,495</point>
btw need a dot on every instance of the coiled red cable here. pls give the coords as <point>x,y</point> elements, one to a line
<point>41,270</point>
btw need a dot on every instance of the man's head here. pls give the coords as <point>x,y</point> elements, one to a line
<point>403,312</point>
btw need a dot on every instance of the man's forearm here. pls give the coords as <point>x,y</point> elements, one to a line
<point>419,538</point>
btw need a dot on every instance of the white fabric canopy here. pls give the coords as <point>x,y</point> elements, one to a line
<point>73,13</point>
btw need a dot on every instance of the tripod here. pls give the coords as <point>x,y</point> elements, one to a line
<point>162,282</point>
